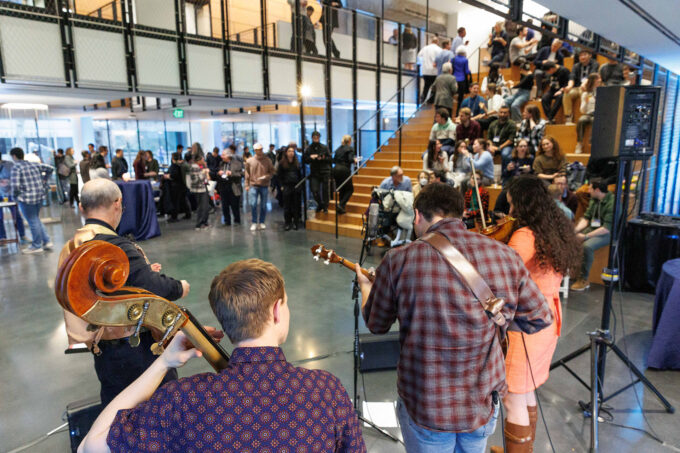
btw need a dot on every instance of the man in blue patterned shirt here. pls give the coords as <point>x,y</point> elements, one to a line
<point>27,183</point>
<point>260,402</point>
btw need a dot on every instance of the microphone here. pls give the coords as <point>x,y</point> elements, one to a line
<point>372,229</point>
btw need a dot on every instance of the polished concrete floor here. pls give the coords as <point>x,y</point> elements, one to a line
<point>37,380</point>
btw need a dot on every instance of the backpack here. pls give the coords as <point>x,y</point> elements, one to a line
<point>576,174</point>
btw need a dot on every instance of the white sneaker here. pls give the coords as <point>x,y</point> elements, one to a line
<point>253,227</point>
<point>31,251</point>
<point>48,246</point>
<point>262,226</point>
<point>579,148</point>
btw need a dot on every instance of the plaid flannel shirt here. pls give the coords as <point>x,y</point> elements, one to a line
<point>27,181</point>
<point>451,360</point>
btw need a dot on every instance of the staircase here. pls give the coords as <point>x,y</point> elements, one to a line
<point>416,134</point>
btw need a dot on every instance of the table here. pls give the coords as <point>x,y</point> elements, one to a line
<point>665,350</point>
<point>139,210</point>
<point>15,217</point>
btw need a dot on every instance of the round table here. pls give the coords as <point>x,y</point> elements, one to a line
<point>665,350</point>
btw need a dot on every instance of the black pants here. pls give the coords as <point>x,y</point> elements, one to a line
<point>291,204</point>
<point>120,364</point>
<point>551,104</point>
<point>310,48</point>
<point>462,91</point>
<point>73,194</point>
<point>179,201</point>
<point>203,209</point>
<point>230,202</point>
<point>429,80</point>
<point>320,187</point>
<point>341,173</point>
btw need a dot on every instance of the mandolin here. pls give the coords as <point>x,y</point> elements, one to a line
<point>329,256</point>
<point>90,284</point>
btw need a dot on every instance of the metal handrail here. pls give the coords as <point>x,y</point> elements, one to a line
<point>384,104</point>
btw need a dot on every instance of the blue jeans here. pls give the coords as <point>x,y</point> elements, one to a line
<point>589,247</point>
<point>506,155</point>
<point>261,192</point>
<point>39,235</point>
<point>516,101</point>
<point>421,440</point>
<point>18,221</point>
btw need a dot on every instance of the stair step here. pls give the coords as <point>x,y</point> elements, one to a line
<point>351,207</point>
<point>328,226</point>
<point>583,158</point>
<point>566,137</point>
<point>385,172</point>
<point>346,219</point>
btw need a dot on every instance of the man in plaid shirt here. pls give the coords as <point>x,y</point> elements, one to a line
<point>27,183</point>
<point>451,370</point>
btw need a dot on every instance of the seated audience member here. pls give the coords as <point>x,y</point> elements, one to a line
<point>502,134</point>
<point>549,160</point>
<point>532,127</point>
<point>498,40</point>
<point>613,73</point>
<point>594,228</point>
<point>483,160</point>
<point>567,197</point>
<point>587,109</point>
<point>585,66</point>
<point>445,87</point>
<point>496,77</point>
<point>605,168</point>
<point>397,180</point>
<point>472,211</point>
<point>556,194</point>
<point>475,102</point>
<point>436,158</point>
<point>461,71</point>
<point>552,99</point>
<point>423,180</point>
<point>440,176</point>
<point>522,91</point>
<point>468,129</point>
<point>250,302</point>
<point>493,106</point>
<point>460,164</point>
<point>520,163</point>
<point>543,56</point>
<point>520,46</point>
<point>443,129</point>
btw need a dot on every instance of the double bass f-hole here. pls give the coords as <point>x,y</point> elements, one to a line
<point>134,338</point>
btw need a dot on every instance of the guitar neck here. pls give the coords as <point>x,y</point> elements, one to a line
<point>352,266</point>
<point>212,351</point>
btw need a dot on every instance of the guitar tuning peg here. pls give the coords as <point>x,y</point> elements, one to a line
<point>319,250</point>
<point>327,262</point>
<point>316,257</point>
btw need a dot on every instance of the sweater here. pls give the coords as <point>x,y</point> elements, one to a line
<point>259,171</point>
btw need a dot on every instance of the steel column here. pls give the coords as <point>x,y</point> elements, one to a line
<point>181,26</point>
<point>378,76</point>
<point>226,49</point>
<point>265,49</point>
<point>128,36</point>
<point>355,119</point>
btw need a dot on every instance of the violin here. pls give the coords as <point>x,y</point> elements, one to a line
<point>90,284</point>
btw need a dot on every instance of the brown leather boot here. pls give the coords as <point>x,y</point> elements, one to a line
<point>517,439</point>
<point>533,419</point>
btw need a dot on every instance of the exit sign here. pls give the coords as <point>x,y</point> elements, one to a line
<point>178,113</point>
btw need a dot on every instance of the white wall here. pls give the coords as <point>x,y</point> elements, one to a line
<point>478,24</point>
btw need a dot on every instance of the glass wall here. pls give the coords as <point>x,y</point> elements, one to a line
<point>41,137</point>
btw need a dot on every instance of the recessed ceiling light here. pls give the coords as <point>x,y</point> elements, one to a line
<point>22,106</point>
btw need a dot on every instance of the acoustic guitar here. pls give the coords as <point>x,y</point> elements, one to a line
<point>90,284</point>
<point>329,256</point>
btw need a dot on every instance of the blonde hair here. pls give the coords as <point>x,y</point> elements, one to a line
<point>346,139</point>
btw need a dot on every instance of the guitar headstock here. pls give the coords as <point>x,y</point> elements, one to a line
<point>329,256</point>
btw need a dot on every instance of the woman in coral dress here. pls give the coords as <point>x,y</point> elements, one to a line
<point>546,242</point>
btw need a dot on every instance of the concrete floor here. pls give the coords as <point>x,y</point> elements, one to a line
<point>37,380</point>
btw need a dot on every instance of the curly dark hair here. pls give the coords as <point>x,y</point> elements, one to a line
<point>556,244</point>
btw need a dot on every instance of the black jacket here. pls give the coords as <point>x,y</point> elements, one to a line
<point>119,167</point>
<point>289,175</point>
<point>344,156</point>
<point>578,69</point>
<point>176,179</point>
<point>235,165</point>
<point>321,165</point>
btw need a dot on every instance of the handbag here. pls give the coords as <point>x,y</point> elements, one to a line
<point>63,170</point>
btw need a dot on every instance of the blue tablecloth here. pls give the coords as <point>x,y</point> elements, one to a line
<point>665,351</point>
<point>139,214</point>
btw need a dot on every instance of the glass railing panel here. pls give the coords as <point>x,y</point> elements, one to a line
<point>244,21</point>
<point>366,38</point>
<point>390,44</point>
<point>280,20</point>
<point>107,10</point>
<point>154,13</point>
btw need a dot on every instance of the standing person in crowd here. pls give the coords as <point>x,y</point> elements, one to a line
<point>445,56</point>
<point>483,160</point>
<point>409,45</point>
<point>443,130</point>
<point>178,187</point>
<point>532,127</point>
<point>428,67</point>
<point>213,160</point>
<point>394,39</point>
<point>344,158</point>
<point>502,135</point>
<point>567,197</point>
<point>585,66</point>
<point>28,182</point>
<point>290,174</point>
<point>461,71</point>
<point>116,362</point>
<point>549,161</point>
<point>544,55</point>
<point>259,171</point>
<point>397,180</point>
<point>459,40</point>
<point>246,153</point>
<point>552,99</point>
<point>98,164</point>
<point>495,76</point>
<point>152,168</point>
<point>468,129</point>
<point>475,102</point>
<point>472,211</point>
<point>594,228</point>
<point>6,193</point>
<point>520,46</point>
<point>228,176</point>
<point>197,151</point>
<point>330,10</point>
<point>91,149</point>
<point>441,343</point>
<point>308,32</point>
<point>444,87</point>
<point>197,180</point>
<point>556,194</point>
<point>85,167</point>
<point>319,159</point>
<point>460,164</point>
<point>71,164</point>
<point>521,162</point>
<point>139,165</point>
<point>119,165</point>
<point>549,249</point>
<point>498,40</point>
<point>587,109</point>
<point>63,173</point>
<point>522,91</point>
